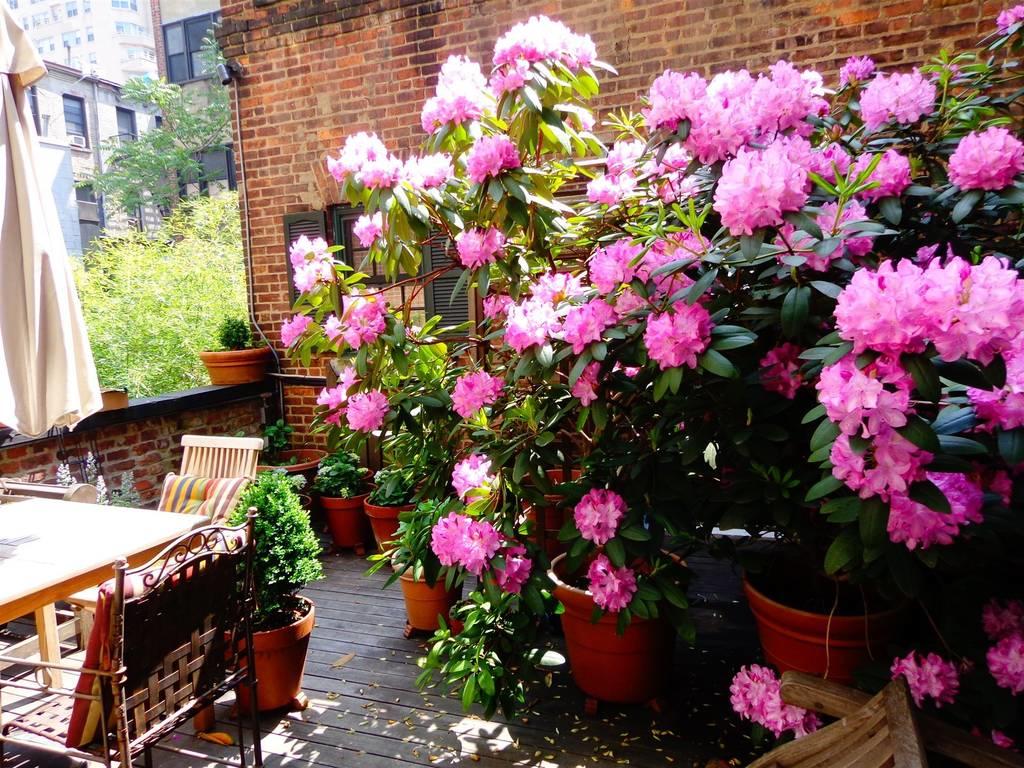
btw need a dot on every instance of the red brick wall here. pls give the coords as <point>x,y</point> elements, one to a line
<point>158,36</point>
<point>316,72</point>
<point>150,448</point>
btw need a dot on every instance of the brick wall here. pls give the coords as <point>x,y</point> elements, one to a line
<point>316,72</point>
<point>150,448</point>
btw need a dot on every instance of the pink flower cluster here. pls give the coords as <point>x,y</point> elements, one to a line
<point>477,247</point>
<point>857,69</point>
<point>780,370</point>
<point>461,540</point>
<point>891,176</point>
<point>598,514</point>
<point>889,465</point>
<point>974,311</point>
<point>756,695</point>
<point>489,156</point>
<point>366,411</point>
<point>543,39</point>
<point>472,475</point>
<point>585,324</point>
<point>832,223</point>
<point>428,171</point>
<point>611,588</point>
<point>1006,662</point>
<point>987,159</point>
<point>829,160</point>
<point>358,150</point>
<point>293,328</point>
<point>918,525</point>
<point>363,322</point>
<point>620,178</point>
<point>516,570</point>
<point>368,228</point>
<point>735,109</point>
<point>585,388</point>
<point>676,337</point>
<point>530,323</point>
<point>611,265</point>
<point>311,263</point>
<point>758,186</point>
<point>1004,407</point>
<point>865,400</point>
<point>334,398</point>
<point>1007,18</point>
<point>928,677</point>
<point>1002,618</point>
<point>461,95</point>
<point>905,98</point>
<point>475,390</point>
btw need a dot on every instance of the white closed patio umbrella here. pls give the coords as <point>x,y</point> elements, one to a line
<point>47,374</point>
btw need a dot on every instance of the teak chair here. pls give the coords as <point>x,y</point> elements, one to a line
<point>170,638</point>
<point>220,456</point>
<point>875,731</point>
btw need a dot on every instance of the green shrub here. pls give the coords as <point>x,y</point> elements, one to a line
<point>396,486</point>
<point>234,334</point>
<point>152,303</point>
<point>286,547</point>
<point>278,437</point>
<point>340,476</point>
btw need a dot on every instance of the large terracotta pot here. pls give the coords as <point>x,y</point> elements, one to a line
<point>627,668</point>
<point>424,603</point>
<point>549,517</point>
<point>236,366</point>
<point>832,647</point>
<point>384,521</point>
<point>346,522</point>
<point>280,656</point>
<point>307,461</point>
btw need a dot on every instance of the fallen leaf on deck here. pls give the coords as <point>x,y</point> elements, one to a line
<point>342,661</point>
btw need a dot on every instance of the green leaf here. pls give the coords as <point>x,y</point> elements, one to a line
<point>794,311</point>
<point>485,681</point>
<point>926,378</point>
<point>825,433</point>
<point>635,533</point>
<point>891,209</point>
<point>718,364</point>
<point>874,521</point>
<point>823,487</point>
<point>845,509</point>
<point>965,205</point>
<point>926,492</point>
<point>843,550</point>
<point>1011,446</point>
<point>814,414</point>
<point>750,245</point>
<point>698,288</point>
<point>963,372</point>
<point>919,432</point>
<point>544,438</point>
<point>961,446</point>
<point>616,552</point>
<point>953,419</point>
<point>829,289</point>
<point>468,692</point>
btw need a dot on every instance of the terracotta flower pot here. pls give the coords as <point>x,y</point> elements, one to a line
<point>346,522</point>
<point>384,521</point>
<point>236,366</point>
<point>626,668</point>
<point>307,461</point>
<point>280,660</point>
<point>424,603</point>
<point>548,518</point>
<point>817,644</point>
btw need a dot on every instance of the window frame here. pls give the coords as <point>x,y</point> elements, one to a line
<point>133,134</point>
<point>187,53</point>
<point>65,98</point>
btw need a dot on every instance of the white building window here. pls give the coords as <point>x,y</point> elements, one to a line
<point>90,36</point>
<point>92,58</point>
<point>70,39</point>
<point>86,6</point>
<point>71,8</point>
<point>125,5</point>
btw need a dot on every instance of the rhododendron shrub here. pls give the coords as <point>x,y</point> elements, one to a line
<point>788,301</point>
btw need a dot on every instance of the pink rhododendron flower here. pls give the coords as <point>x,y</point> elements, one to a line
<point>828,160</point>
<point>475,390</point>
<point>496,305</point>
<point>988,159</point>
<point>303,249</point>
<point>622,157</point>
<point>1006,662</point>
<point>472,474</point>
<point>1001,618</point>
<point>460,540</point>
<point>555,287</point>
<point>674,97</point>
<point>999,738</point>
<point>1004,407</point>
<point>780,370</point>
<point>611,265</point>
<point>905,98</point>
<point>890,464</point>
<point>611,588</point>
<point>461,95</point>
<point>892,174</point>
<point>928,677</point>
<point>530,323</point>
<point>358,150</point>
<point>585,388</point>
<point>477,247</point>
<point>609,190</point>
<point>366,410</point>
<point>864,400</point>
<point>756,695</point>
<point>516,571</point>
<point>857,69</point>
<point>509,78</point>
<point>333,327</point>
<point>382,173</point>
<point>757,187</point>
<point>489,156</point>
<point>598,514</point>
<point>543,39</point>
<point>884,310</point>
<point>292,329</point>
<point>676,337</point>
<point>428,172</point>
<point>311,263</point>
<point>368,228</point>
<point>586,323</point>
<point>334,398</point>
<point>832,225</point>
<point>364,322</point>
<point>917,525</point>
<point>1009,17</point>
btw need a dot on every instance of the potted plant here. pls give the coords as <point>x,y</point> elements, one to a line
<point>341,487</point>
<point>286,560</point>
<point>237,361</point>
<point>278,455</point>
<point>395,492</point>
<point>429,588</point>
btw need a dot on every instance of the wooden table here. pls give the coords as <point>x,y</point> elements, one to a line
<point>50,549</point>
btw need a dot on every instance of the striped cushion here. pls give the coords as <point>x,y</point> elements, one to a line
<point>213,498</point>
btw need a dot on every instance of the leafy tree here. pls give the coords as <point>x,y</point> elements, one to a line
<point>153,303</point>
<point>149,169</point>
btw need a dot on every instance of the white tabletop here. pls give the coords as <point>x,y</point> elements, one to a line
<point>50,549</point>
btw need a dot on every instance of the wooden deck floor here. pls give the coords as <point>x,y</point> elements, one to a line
<point>366,711</point>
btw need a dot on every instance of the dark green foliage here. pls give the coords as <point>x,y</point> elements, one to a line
<point>234,333</point>
<point>340,476</point>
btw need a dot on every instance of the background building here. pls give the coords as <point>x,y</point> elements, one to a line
<point>74,115</point>
<point>110,39</point>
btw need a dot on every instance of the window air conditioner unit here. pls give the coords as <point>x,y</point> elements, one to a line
<point>77,141</point>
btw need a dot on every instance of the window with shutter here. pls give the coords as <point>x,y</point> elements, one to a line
<point>311,224</point>
<point>441,298</point>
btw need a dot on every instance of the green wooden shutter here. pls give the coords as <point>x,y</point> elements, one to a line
<point>439,299</point>
<point>312,224</point>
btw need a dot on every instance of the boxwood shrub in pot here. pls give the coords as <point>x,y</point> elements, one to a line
<point>286,560</point>
<point>395,492</point>
<point>237,361</point>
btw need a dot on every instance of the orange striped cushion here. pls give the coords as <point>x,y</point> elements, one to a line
<point>213,498</point>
